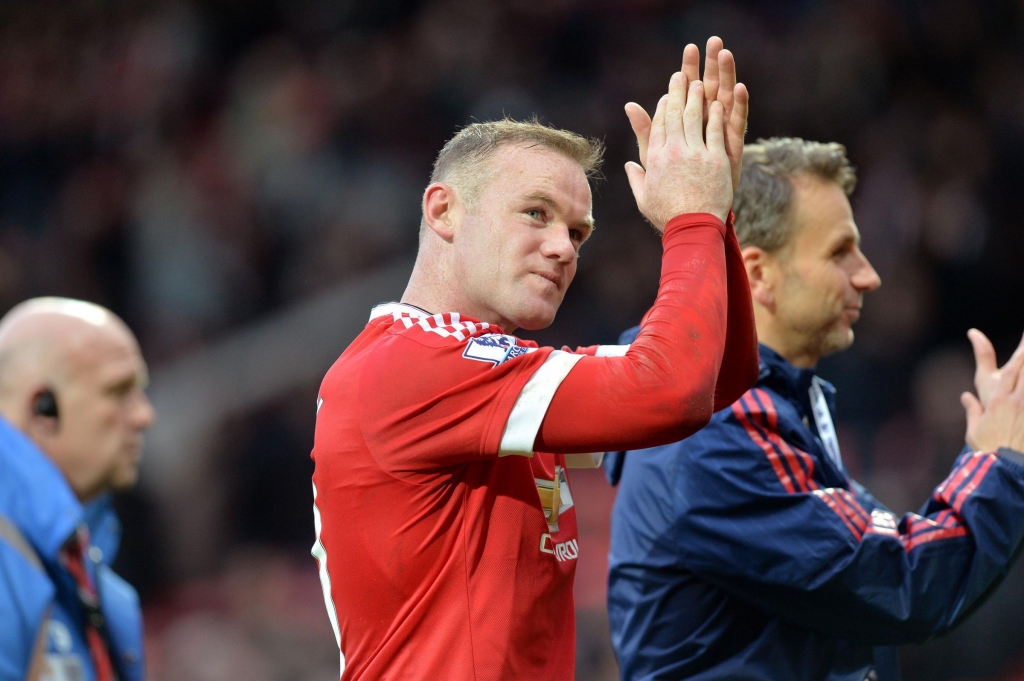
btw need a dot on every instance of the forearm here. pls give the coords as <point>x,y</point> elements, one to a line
<point>662,389</point>
<point>740,362</point>
<point>892,583</point>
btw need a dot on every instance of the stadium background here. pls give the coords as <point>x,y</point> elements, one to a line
<point>240,180</point>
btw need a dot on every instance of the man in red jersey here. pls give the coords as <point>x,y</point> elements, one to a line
<point>446,546</point>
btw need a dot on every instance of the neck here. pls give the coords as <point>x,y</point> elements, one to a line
<point>434,287</point>
<point>792,346</point>
<point>430,281</point>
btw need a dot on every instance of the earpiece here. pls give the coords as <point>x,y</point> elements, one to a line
<point>46,404</point>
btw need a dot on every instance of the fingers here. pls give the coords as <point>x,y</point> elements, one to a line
<point>972,407</point>
<point>984,354</point>
<point>641,124</point>
<point>636,175</point>
<point>736,129</point>
<point>1019,388</point>
<point>691,63</point>
<point>657,138</point>
<point>1009,374</point>
<point>974,411</point>
<point>677,99</point>
<point>711,68</point>
<point>726,75</point>
<point>738,116</point>
<point>693,116</point>
<point>1019,350</point>
<point>716,128</point>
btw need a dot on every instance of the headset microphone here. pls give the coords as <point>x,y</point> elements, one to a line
<point>46,404</point>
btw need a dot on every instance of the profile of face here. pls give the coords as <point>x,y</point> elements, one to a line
<point>103,412</point>
<point>516,242</point>
<point>822,275</point>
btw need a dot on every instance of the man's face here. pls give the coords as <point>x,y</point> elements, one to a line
<point>517,244</point>
<point>103,412</point>
<point>823,272</point>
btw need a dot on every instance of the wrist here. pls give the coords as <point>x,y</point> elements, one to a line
<point>689,220</point>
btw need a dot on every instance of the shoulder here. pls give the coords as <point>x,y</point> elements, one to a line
<point>26,590</point>
<point>427,358</point>
<point>760,407</point>
<point>447,337</point>
<point>432,330</point>
<point>12,538</point>
<point>35,497</point>
<point>738,434</point>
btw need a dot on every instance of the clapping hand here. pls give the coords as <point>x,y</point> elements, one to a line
<point>719,85</point>
<point>684,150</point>
<point>995,417</point>
<point>986,372</point>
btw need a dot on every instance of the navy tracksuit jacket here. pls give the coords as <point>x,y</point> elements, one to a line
<point>744,552</point>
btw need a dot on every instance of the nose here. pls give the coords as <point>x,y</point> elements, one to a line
<point>865,278</point>
<point>558,245</point>
<point>145,414</point>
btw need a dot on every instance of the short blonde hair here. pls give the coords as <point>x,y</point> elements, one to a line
<point>463,161</point>
<point>764,196</point>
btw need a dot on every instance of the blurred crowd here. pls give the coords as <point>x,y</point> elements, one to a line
<point>197,166</point>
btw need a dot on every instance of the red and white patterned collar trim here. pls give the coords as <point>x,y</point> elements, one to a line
<point>398,310</point>
<point>448,324</point>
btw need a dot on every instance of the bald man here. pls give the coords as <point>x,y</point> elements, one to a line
<point>72,415</point>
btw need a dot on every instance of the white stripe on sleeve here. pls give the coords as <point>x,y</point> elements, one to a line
<point>532,404</point>
<point>611,350</point>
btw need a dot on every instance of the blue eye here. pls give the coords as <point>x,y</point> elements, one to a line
<point>535,213</point>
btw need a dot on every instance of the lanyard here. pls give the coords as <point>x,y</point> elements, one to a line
<point>823,420</point>
<point>74,558</point>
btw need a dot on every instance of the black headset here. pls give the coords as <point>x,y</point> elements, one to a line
<point>46,404</point>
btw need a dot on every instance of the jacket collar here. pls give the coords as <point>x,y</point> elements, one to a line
<point>34,494</point>
<point>787,379</point>
<point>399,310</point>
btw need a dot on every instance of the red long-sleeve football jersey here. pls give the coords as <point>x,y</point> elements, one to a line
<point>446,547</point>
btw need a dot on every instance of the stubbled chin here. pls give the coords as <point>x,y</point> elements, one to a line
<point>842,338</point>
<point>540,317</point>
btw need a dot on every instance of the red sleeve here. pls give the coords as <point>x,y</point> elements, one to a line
<point>740,363</point>
<point>662,390</point>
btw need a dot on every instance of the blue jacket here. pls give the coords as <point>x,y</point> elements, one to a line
<point>38,514</point>
<point>744,552</point>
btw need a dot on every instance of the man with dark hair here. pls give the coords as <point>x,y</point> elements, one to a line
<point>745,551</point>
<point>446,537</point>
<point>73,411</point>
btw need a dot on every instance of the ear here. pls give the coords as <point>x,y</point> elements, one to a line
<point>41,420</point>
<point>761,268</point>
<point>441,209</point>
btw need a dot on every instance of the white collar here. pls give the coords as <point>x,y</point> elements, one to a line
<point>397,310</point>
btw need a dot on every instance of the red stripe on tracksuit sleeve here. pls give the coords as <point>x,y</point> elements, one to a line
<point>948,518</point>
<point>849,511</point>
<point>911,543</point>
<point>855,505</point>
<point>952,483</point>
<point>799,473</point>
<point>844,504</point>
<point>979,475</point>
<point>831,502</point>
<point>769,451</point>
